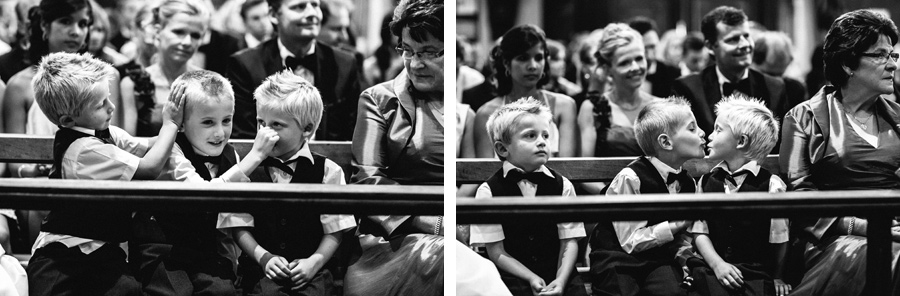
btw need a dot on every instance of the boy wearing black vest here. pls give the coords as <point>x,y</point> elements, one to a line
<point>183,253</point>
<point>77,251</point>
<point>534,258</point>
<point>741,257</point>
<point>285,252</point>
<point>647,257</point>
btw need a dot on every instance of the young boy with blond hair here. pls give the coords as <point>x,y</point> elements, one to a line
<point>77,251</point>
<point>534,258</point>
<point>745,256</point>
<point>648,257</point>
<point>182,253</point>
<point>287,252</point>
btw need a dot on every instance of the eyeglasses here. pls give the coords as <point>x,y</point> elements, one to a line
<point>428,55</point>
<point>882,57</point>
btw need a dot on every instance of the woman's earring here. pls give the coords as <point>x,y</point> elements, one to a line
<point>851,74</point>
<point>507,73</point>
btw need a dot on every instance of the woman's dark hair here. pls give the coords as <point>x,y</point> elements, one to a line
<point>850,35</point>
<point>47,12</point>
<point>514,43</point>
<point>422,17</point>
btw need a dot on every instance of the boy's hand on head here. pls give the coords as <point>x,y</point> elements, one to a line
<point>728,275</point>
<point>302,272</point>
<point>265,141</point>
<point>277,268</point>
<point>554,288</point>
<point>174,108</point>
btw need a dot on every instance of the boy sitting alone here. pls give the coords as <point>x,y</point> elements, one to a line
<point>534,258</point>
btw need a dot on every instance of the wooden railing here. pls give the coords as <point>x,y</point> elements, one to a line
<point>582,169</point>
<point>878,206</point>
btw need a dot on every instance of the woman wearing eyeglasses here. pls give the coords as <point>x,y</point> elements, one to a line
<point>399,140</point>
<point>845,137</point>
<point>522,66</point>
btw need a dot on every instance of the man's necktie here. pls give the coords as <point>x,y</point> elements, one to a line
<point>534,177</point>
<point>308,62</point>
<point>742,86</point>
<point>272,162</point>
<point>104,136</point>
<point>721,174</point>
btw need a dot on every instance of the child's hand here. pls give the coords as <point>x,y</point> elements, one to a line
<point>554,288</point>
<point>277,268</point>
<point>781,289</point>
<point>537,284</point>
<point>265,141</point>
<point>728,275</point>
<point>174,108</point>
<point>302,272</point>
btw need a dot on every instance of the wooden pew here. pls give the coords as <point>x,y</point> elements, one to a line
<point>582,169</point>
<point>878,206</point>
<point>39,149</point>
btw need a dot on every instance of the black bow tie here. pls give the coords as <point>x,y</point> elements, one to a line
<point>721,174</point>
<point>534,177</point>
<point>742,86</point>
<point>308,62</point>
<point>681,177</point>
<point>272,162</point>
<point>210,159</point>
<point>104,136</point>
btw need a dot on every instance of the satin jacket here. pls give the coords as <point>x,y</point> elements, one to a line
<point>807,132</point>
<point>385,124</point>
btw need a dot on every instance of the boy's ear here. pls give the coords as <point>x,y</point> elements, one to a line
<point>664,142</point>
<point>66,121</point>
<point>308,131</point>
<point>743,142</point>
<point>500,149</point>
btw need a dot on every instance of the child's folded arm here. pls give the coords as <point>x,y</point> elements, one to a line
<point>637,236</point>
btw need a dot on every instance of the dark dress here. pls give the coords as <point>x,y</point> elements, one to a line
<point>612,140</point>
<point>822,151</point>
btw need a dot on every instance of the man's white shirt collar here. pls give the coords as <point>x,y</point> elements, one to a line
<point>285,53</point>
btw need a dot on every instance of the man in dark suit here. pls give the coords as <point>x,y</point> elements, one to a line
<point>727,35</point>
<point>334,72</point>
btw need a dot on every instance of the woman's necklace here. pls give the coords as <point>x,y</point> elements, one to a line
<point>436,105</point>
<point>623,105</point>
<point>862,123</point>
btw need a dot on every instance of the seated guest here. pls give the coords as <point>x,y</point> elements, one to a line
<point>741,256</point>
<point>333,72</point>
<point>845,138</point>
<point>255,14</point>
<point>660,75</point>
<point>772,55</point>
<point>726,32</point>
<point>694,53</point>
<point>180,26</point>
<point>399,139</point>
<point>534,258</point>
<point>521,68</point>
<point>649,257</point>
